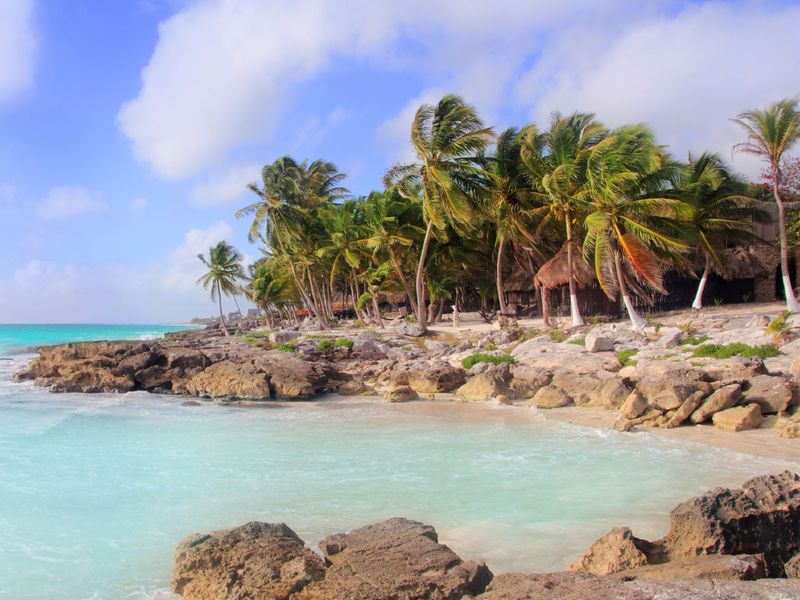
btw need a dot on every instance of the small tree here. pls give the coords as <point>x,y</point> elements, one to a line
<point>225,272</point>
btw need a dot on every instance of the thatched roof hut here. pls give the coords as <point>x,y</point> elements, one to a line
<point>555,273</point>
<point>743,263</point>
<point>520,280</point>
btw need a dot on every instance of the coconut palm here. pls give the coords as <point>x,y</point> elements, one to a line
<point>449,139</point>
<point>629,229</point>
<point>770,134</point>
<point>269,286</point>
<point>225,271</point>
<point>556,166</point>
<point>720,213</point>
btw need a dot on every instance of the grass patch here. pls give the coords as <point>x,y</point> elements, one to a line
<point>558,336</point>
<point>343,343</point>
<point>479,357</point>
<point>286,346</point>
<point>735,349</point>
<point>625,356</point>
<point>694,340</point>
<point>581,341</point>
<point>325,345</point>
<point>330,344</point>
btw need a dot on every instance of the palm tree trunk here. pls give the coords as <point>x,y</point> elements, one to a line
<point>322,318</point>
<point>501,295</point>
<point>305,296</point>
<point>239,310</point>
<point>377,309</point>
<point>574,310</point>
<point>698,299</point>
<point>788,292</point>
<point>403,280</point>
<point>636,319</point>
<point>421,312</point>
<point>221,316</point>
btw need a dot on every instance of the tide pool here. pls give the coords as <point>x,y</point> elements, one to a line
<point>96,491</point>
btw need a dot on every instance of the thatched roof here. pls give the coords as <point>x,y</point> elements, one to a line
<point>743,263</point>
<point>519,281</point>
<point>555,274</point>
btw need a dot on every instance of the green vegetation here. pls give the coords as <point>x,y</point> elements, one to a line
<point>330,344</point>
<point>490,347</point>
<point>225,270</point>
<point>779,327</point>
<point>693,340</point>
<point>736,349</point>
<point>286,346</point>
<point>343,343</point>
<point>325,345</point>
<point>624,357</point>
<point>581,341</point>
<point>558,335</point>
<point>478,357</point>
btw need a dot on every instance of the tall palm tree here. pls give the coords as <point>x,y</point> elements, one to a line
<point>269,287</point>
<point>770,134</point>
<point>556,165</point>
<point>225,271</point>
<point>449,139</point>
<point>629,229</point>
<point>720,213</point>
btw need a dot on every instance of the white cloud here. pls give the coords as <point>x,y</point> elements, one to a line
<point>395,132</point>
<point>17,46</point>
<point>183,267</point>
<point>64,202</point>
<point>225,186</point>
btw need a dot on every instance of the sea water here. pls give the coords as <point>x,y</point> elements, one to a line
<point>97,490</point>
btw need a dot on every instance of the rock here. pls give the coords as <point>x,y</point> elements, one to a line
<point>736,368</point>
<point>739,418</point>
<point>792,567</point>
<point>368,348</point>
<point>633,406</point>
<point>761,517</point>
<point>256,560</point>
<point>742,567</point>
<point>669,337</point>
<point>582,389</point>
<point>284,336</point>
<point>616,551</point>
<point>525,380</point>
<point>228,379</point>
<point>396,559</point>
<point>184,359</point>
<point>482,387</point>
<point>190,403</point>
<point>664,393</point>
<point>550,397</point>
<point>685,411</point>
<point>400,393</point>
<point>434,377</point>
<point>772,394</point>
<point>290,377</point>
<point>795,368</point>
<point>598,343</point>
<point>543,353</point>
<point>133,363</point>
<point>410,329</point>
<point>790,430</point>
<point>502,399</point>
<point>646,420</point>
<point>354,387</point>
<point>612,394</point>
<point>722,399</point>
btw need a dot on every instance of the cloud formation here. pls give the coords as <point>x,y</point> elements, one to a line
<point>183,267</point>
<point>225,186</point>
<point>64,202</point>
<point>17,46</point>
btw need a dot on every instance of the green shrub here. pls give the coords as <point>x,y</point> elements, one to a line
<point>694,340</point>
<point>478,357</point>
<point>490,347</point>
<point>736,349</point>
<point>779,326</point>
<point>325,345</point>
<point>624,357</point>
<point>581,341</point>
<point>558,336</point>
<point>286,346</point>
<point>343,343</point>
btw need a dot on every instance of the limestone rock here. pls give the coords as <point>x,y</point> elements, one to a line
<point>772,394</point>
<point>550,397</point>
<point>396,559</point>
<point>738,367</point>
<point>669,337</point>
<point>738,418</point>
<point>664,393</point>
<point>685,411</point>
<point>291,377</point>
<point>612,394</point>
<point>431,377</point>
<point>582,389</point>
<point>744,567</point>
<point>284,336</point>
<point>256,560</point>
<point>792,567</point>
<point>368,348</point>
<point>633,406</point>
<point>482,387</point>
<point>722,399</point>
<point>410,329</point>
<point>400,393</point>
<point>543,353</point>
<point>228,379</point>
<point>525,380</point>
<point>616,551</point>
<point>596,342</point>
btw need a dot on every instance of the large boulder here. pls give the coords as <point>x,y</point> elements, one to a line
<point>550,397</point>
<point>686,410</point>
<point>368,348</point>
<point>525,380</point>
<point>616,551</point>
<point>228,379</point>
<point>597,342</point>
<point>612,394</point>
<point>482,387</point>
<point>743,567</point>
<point>737,368</point>
<point>543,353</point>
<point>633,406</point>
<point>291,378</point>
<point>256,560</point>
<point>433,377</point>
<point>178,357</point>
<point>721,399</point>
<point>400,393</point>
<point>396,559</point>
<point>772,394</point>
<point>582,389</point>
<point>761,517</point>
<point>739,418</point>
<point>664,393</point>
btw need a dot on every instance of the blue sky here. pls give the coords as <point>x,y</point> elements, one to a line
<point>129,129</point>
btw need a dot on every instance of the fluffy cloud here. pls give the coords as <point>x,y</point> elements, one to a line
<point>17,46</point>
<point>183,268</point>
<point>64,202</point>
<point>396,132</point>
<point>225,186</point>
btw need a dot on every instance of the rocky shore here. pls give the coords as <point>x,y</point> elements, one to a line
<point>727,543</point>
<point>735,371</point>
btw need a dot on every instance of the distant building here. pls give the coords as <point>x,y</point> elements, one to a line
<point>253,313</point>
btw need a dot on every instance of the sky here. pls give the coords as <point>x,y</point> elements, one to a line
<point>129,129</point>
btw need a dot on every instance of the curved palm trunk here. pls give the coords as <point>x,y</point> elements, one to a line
<point>422,316</point>
<point>377,309</point>
<point>637,321</point>
<point>501,296</point>
<point>574,310</point>
<point>404,281</point>
<point>306,299</point>
<point>238,309</point>
<point>698,299</point>
<point>788,292</point>
<point>221,316</point>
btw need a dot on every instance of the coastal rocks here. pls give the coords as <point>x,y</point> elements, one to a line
<point>738,368</point>
<point>739,418</point>
<point>283,336</point>
<point>742,567</point>
<point>633,406</point>
<point>596,342</point>
<point>665,393</point>
<point>772,394</point>
<point>612,394</point>
<point>721,399</point>
<point>550,396</point>
<point>397,559</point>
<point>368,348</point>
<point>292,378</point>
<point>686,410</point>
<point>792,567</point>
<point>581,389</point>
<point>560,586</point>
<point>227,379</point>
<point>616,551</point>
<point>400,393</point>
<point>410,329</point>
<point>525,380</point>
<point>256,560</point>
<point>429,377</point>
<point>540,352</point>
<point>482,387</point>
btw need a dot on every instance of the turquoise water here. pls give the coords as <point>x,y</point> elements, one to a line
<point>96,491</point>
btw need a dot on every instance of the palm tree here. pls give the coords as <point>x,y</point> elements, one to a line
<point>224,266</point>
<point>629,228</point>
<point>770,134</point>
<point>556,165</point>
<point>720,213</point>
<point>449,139</point>
<point>269,287</point>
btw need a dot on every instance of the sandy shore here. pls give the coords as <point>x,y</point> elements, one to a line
<point>758,442</point>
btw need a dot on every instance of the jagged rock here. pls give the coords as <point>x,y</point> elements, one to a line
<point>368,348</point>
<point>433,377</point>
<point>410,329</point>
<point>582,389</point>
<point>284,336</point>
<point>256,560</point>
<point>772,394</point>
<point>633,406</point>
<point>686,410</point>
<point>134,362</point>
<point>396,559</point>
<point>761,517</point>
<point>669,337</point>
<point>525,380</point>
<point>482,387</point>
<point>400,393</point>
<point>743,567</point>
<point>792,567</point>
<point>612,394</point>
<point>542,353</point>
<point>664,393</point>
<point>178,358</point>
<point>227,379</point>
<point>292,378</point>
<point>646,420</point>
<point>738,418</point>
<point>595,342</point>
<point>722,399</point>
<point>550,397</point>
<point>616,551</point>
<point>354,387</point>
<point>738,367</point>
